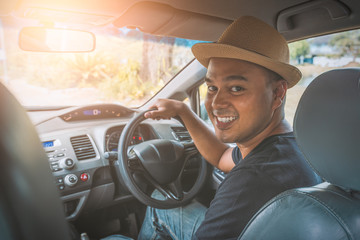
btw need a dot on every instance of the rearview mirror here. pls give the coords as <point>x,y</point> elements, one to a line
<point>40,39</point>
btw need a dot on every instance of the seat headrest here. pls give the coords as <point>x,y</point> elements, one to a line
<point>327,126</point>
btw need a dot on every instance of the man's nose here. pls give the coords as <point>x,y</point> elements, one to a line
<point>220,100</point>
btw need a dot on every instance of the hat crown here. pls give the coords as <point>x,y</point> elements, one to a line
<point>254,35</point>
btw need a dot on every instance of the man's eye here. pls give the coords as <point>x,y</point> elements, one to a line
<point>236,89</point>
<point>211,88</point>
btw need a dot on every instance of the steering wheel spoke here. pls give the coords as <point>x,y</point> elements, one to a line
<point>176,189</point>
<point>172,192</point>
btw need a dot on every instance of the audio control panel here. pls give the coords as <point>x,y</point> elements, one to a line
<point>58,156</point>
<point>70,174</point>
<point>59,160</point>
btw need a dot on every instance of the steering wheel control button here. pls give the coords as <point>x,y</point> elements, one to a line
<point>71,180</point>
<point>84,177</point>
<point>67,163</point>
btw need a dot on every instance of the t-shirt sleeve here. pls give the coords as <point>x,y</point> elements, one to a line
<point>238,199</point>
<point>236,155</point>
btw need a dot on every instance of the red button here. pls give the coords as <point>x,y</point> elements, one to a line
<point>84,177</point>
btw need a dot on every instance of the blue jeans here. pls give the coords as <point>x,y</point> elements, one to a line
<point>177,223</point>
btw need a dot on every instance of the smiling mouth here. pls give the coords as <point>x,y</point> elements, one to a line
<point>224,122</point>
<point>226,119</point>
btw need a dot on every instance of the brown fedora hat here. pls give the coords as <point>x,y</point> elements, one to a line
<point>252,40</point>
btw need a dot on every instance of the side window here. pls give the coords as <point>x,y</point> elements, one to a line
<point>317,55</point>
<point>203,113</point>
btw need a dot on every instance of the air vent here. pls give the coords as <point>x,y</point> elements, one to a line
<point>181,134</point>
<point>82,147</point>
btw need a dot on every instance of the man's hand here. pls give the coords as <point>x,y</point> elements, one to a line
<point>166,109</point>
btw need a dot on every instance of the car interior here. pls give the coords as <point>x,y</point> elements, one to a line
<point>68,169</point>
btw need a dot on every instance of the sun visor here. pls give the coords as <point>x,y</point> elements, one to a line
<point>162,19</point>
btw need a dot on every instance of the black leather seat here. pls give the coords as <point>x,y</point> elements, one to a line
<point>30,206</point>
<point>327,129</point>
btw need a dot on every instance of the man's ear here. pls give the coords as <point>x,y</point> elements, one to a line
<point>280,88</point>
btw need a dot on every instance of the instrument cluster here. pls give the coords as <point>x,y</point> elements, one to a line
<point>141,134</point>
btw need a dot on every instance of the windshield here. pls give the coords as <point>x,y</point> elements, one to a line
<point>127,67</point>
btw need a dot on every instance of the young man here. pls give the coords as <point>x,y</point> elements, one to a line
<point>247,78</point>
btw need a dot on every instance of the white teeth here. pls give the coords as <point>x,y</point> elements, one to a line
<point>226,119</point>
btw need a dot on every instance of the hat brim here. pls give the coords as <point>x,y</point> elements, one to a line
<point>204,51</point>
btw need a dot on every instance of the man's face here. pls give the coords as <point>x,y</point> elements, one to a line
<point>239,99</point>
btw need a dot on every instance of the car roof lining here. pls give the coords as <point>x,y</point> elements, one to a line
<point>297,21</point>
<point>207,19</point>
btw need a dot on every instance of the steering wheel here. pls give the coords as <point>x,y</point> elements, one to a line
<point>161,163</point>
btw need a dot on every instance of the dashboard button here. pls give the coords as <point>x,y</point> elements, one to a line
<point>67,163</point>
<point>61,187</point>
<point>60,155</point>
<point>84,177</point>
<point>70,180</point>
<point>55,167</point>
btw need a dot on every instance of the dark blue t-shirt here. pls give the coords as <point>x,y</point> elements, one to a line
<point>274,166</point>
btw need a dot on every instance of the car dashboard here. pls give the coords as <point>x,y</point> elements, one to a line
<point>77,142</point>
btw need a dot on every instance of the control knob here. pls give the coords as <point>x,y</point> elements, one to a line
<point>70,180</point>
<point>66,163</point>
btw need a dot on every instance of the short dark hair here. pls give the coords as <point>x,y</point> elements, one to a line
<point>273,76</point>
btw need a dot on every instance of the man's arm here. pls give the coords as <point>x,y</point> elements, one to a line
<point>211,148</point>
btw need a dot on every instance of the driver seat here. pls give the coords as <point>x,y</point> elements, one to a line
<point>327,129</point>
<point>30,206</point>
